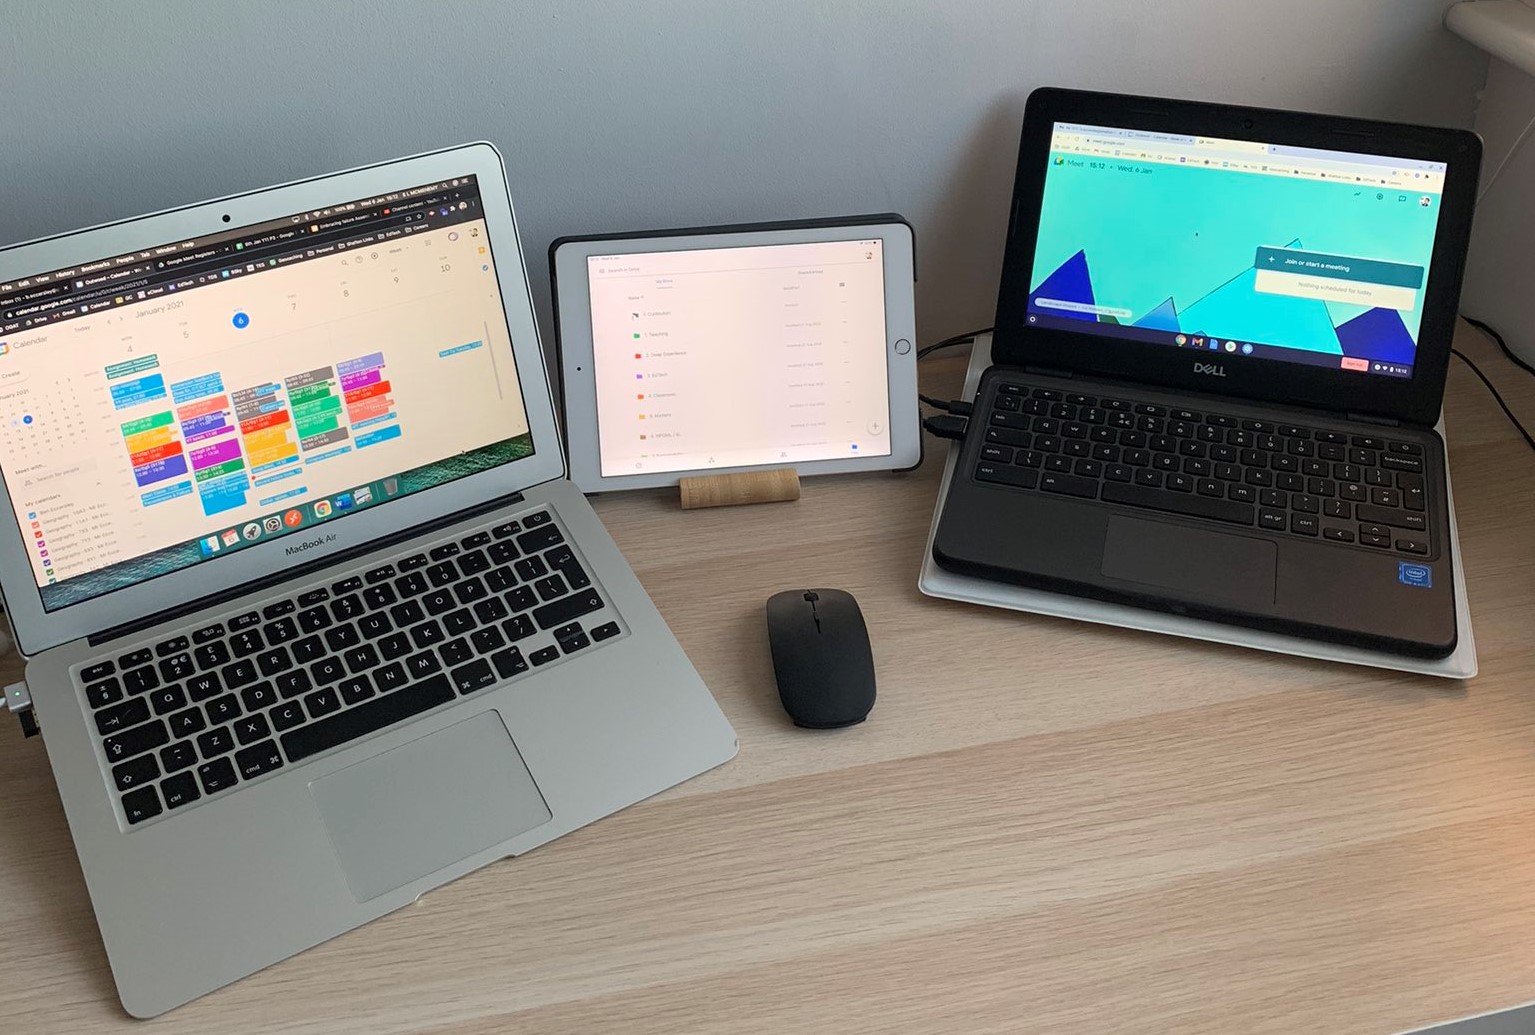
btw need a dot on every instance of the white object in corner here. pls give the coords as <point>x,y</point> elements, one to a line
<point>1503,28</point>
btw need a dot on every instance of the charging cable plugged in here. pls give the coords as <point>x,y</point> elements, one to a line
<point>19,700</point>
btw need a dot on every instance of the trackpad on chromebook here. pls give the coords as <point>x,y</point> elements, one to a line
<point>409,812</point>
<point>1228,569</point>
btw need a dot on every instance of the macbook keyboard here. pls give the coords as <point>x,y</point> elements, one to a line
<point>196,715</point>
<point>1364,490</point>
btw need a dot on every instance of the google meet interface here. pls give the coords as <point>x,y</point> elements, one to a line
<point>728,357</point>
<point>177,404</point>
<point>1236,246</point>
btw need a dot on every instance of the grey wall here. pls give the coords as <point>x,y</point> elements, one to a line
<point>633,115</point>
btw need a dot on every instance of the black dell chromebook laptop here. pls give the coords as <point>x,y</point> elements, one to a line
<point>1220,350</point>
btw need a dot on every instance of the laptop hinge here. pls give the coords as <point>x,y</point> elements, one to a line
<point>1365,418</point>
<point>300,570</point>
<point>1048,372</point>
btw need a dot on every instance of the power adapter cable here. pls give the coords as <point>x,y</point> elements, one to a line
<point>945,425</point>
<point>19,700</point>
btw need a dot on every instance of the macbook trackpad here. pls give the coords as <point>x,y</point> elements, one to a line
<point>1191,562</point>
<point>411,811</point>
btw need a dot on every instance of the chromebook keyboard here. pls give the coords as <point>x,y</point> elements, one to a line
<point>1365,490</point>
<point>196,715</point>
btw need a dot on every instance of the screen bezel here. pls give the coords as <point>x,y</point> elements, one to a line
<point>1415,400</point>
<point>37,629</point>
<point>573,336</point>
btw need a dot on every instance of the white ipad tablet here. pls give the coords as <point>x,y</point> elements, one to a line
<point>721,349</point>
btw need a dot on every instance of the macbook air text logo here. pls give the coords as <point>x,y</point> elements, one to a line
<point>310,544</point>
<point>1213,369</point>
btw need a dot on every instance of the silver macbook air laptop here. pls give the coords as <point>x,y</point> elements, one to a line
<point>315,621</point>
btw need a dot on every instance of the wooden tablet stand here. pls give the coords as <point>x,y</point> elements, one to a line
<point>730,490</point>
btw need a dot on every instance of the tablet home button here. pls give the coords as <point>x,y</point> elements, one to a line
<point>902,346</point>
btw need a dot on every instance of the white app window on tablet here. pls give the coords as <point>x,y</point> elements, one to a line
<point>732,357</point>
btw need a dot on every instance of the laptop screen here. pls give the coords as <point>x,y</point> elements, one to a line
<point>1254,250</point>
<point>172,406</point>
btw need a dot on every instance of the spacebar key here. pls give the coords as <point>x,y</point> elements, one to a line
<point>368,717</point>
<point>1178,503</point>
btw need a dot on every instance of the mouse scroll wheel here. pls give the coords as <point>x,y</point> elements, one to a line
<point>811,597</point>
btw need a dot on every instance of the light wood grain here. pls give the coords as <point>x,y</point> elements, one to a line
<point>1043,827</point>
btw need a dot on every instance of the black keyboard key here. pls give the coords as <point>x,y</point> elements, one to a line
<point>281,631</point>
<point>520,599</point>
<point>277,610</point>
<point>314,619</point>
<point>1065,484</point>
<point>379,574</point>
<point>107,691</point>
<point>509,663</point>
<point>187,722</point>
<point>519,627</point>
<point>574,606</point>
<point>473,563</point>
<point>141,804</point>
<point>1210,487</point>
<point>1338,509</point>
<point>1383,497</point>
<point>476,675</point>
<point>322,702</point>
<point>1151,409</point>
<point>1375,540</point>
<point>291,684</point>
<point>346,607</point>
<point>443,552</point>
<point>530,568</point>
<point>356,689</point>
<point>240,673</point>
<point>274,661</point>
<point>1176,503</point>
<point>540,539</point>
<point>326,671</point>
<point>223,709</point>
<point>1058,464</point>
<point>554,586</point>
<point>1395,462</point>
<point>341,637</point>
<point>1338,535</point>
<point>1304,524</point>
<point>412,585</point>
<point>474,540</point>
<point>248,620</point>
<point>216,742</point>
<point>262,695</point>
<point>509,528</point>
<point>218,775</point>
<point>541,517</point>
<point>490,610</point>
<point>1242,493</point>
<point>1407,448</point>
<point>571,644</point>
<point>252,728</point>
<point>407,613</point>
<point>135,741</point>
<point>395,645</point>
<point>1148,477</point>
<point>360,659</point>
<point>413,562</point>
<point>438,601</point>
<point>372,626</point>
<point>286,716</point>
<point>165,648</point>
<point>367,717</point>
<point>1290,482</point>
<point>1412,546</point>
<point>308,649</point>
<point>345,586</point>
<point>1271,519</point>
<point>180,790</point>
<point>100,670</point>
<point>1180,483</point>
<point>257,759</point>
<point>505,552</point>
<point>1118,473</point>
<point>390,677</point>
<point>379,596</point>
<point>1391,516</point>
<point>168,699</point>
<point>1084,468</point>
<point>246,643</point>
<point>422,665</point>
<point>458,622</point>
<point>135,772</point>
<point>605,631</point>
<point>470,590</point>
<point>456,652</point>
<point>133,659</point>
<point>313,597</point>
<point>487,640</point>
<point>427,633</point>
<point>1305,504</point>
<point>137,680</point>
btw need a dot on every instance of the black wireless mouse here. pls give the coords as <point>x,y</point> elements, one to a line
<point>821,657</point>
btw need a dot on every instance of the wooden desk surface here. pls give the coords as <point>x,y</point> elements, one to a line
<point>1044,826</point>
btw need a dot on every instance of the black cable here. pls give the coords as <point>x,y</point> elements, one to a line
<point>1497,338</point>
<point>1503,405</point>
<point>959,339</point>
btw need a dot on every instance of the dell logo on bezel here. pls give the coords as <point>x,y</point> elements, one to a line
<point>1212,369</point>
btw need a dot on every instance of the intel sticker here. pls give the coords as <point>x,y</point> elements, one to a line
<point>1412,574</point>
